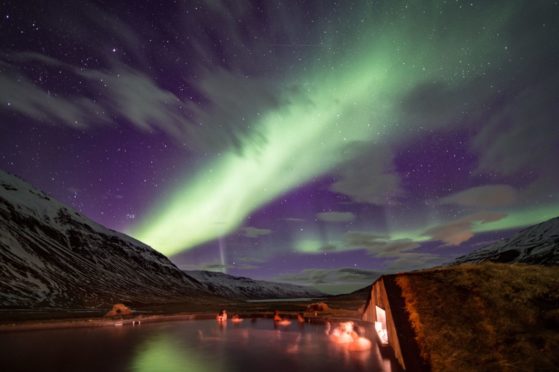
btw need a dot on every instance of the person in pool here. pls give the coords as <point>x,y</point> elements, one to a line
<point>279,320</point>
<point>222,316</point>
<point>346,334</point>
<point>277,317</point>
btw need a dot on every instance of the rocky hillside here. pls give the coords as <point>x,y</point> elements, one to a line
<point>246,288</point>
<point>51,256</point>
<point>538,244</point>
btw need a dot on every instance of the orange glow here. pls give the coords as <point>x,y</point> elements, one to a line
<point>279,320</point>
<point>284,322</point>
<point>222,316</point>
<point>345,335</point>
<point>360,344</point>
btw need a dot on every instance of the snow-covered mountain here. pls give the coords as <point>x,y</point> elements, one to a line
<point>538,244</point>
<point>246,288</point>
<point>51,256</point>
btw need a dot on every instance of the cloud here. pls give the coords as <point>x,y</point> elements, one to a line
<point>120,91</point>
<point>461,230</point>
<point>234,103</point>
<point>435,104</point>
<point>514,119</point>
<point>394,248</point>
<point>329,247</point>
<point>313,246</point>
<point>318,276</point>
<point>294,219</point>
<point>369,177</point>
<point>242,266</point>
<point>250,260</point>
<point>483,196</point>
<point>379,245</point>
<point>522,134</point>
<point>519,135</point>
<point>229,103</point>
<point>218,267</point>
<point>414,261</point>
<point>333,281</point>
<point>220,95</point>
<point>127,93</point>
<point>110,31</point>
<point>19,94</point>
<point>137,98</point>
<point>400,254</point>
<point>254,232</point>
<point>335,216</point>
<point>364,239</point>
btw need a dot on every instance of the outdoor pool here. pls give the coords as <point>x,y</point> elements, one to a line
<point>198,345</point>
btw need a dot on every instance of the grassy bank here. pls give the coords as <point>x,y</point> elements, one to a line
<point>485,316</point>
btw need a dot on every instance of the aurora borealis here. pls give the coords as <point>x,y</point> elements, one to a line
<point>299,140</point>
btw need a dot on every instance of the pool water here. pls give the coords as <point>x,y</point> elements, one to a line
<point>199,345</point>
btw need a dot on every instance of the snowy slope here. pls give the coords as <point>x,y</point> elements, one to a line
<point>51,256</point>
<point>246,288</point>
<point>538,244</point>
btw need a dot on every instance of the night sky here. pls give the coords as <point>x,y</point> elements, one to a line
<point>307,141</point>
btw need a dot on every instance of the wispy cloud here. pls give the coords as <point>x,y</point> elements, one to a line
<point>218,267</point>
<point>254,232</point>
<point>294,219</point>
<point>340,280</point>
<point>378,245</point>
<point>462,229</point>
<point>19,94</point>
<point>121,92</point>
<point>486,196</point>
<point>415,260</point>
<point>335,216</point>
<point>369,177</point>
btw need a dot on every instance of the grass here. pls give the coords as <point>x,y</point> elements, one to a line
<point>485,316</point>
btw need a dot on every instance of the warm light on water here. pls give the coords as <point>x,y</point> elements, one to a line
<point>187,346</point>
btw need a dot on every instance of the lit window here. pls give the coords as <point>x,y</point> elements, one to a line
<point>380,326</point>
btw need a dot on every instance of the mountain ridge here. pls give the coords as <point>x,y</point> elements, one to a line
<point>536,244</point>
<point>52,256</point>
<point>246,288</point>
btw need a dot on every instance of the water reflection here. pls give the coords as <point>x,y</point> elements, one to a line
<point>187,346</point>
<point>164,354</point>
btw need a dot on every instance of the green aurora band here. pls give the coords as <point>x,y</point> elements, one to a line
<point>312,243</point>
<point>340,101</point>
